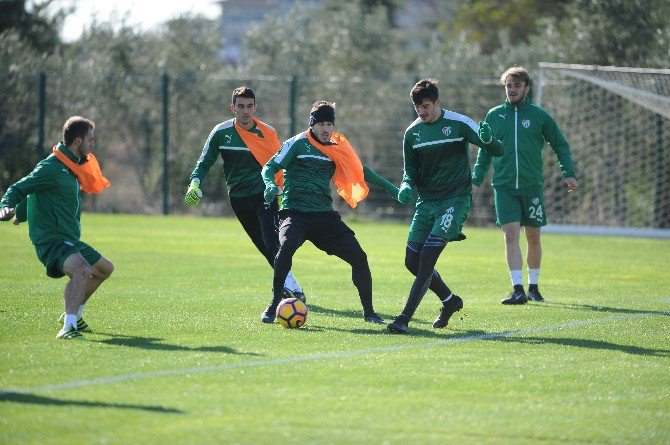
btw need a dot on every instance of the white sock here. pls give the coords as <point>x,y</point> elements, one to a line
<point>517,277</point>
<point>80,312</point>
<point>533,276</point>
<point>448,298</point>
<point>291,283</point>
<point>70,320</point>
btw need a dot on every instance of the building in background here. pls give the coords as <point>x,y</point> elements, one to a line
<point>238,15</point>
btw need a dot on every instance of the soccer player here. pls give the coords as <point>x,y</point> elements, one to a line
<point>436,164</point>
<point>310,160</point>
<point>49,198</point>
<point>522,127</point>
<point>245,144</point>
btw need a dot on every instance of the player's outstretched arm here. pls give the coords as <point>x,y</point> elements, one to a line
<point>375,178</point>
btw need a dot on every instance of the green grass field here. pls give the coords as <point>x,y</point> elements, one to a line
<point>179,355</point>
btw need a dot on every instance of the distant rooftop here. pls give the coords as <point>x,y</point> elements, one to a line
<point>238,15</point>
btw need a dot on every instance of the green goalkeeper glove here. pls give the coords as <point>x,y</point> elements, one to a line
<point>271,192</point>
<point>485,133</point>
<point>405,195</point>
<point>193,194</point>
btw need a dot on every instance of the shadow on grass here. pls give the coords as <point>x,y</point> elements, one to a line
<point>312,328</point>
<point>609,310</point>
<point>335,312</point>
<point>153,343</point>
<point>374,329</point>
<point>449,336</point>
<point>415,328</point>
<point>356,314</point>
<point>381,329</point>
<point>33,399</point>
<point>590,344</point>
<point>573,342</point>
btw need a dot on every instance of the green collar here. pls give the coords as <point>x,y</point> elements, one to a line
<point>523,105</point>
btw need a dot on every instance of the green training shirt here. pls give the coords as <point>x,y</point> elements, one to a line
<point>436,158</point>
<point>308,174</point>
<point>522,129</point>
<point>53,197</point>
<point>240,168</point>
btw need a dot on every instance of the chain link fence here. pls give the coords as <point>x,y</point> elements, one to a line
<point>132,136</point>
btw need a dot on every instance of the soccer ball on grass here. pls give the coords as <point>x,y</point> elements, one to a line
<point>291,313</point>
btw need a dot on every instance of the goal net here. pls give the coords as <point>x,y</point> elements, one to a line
<point>617,121</point>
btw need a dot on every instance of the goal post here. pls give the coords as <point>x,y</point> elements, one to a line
<point>617,121</point>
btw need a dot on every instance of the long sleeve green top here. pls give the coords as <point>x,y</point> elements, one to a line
<point>50,199</point>
<point>307,176</point>
<point>523,130</point>
<point>240,168</point>
<point>436,156</point>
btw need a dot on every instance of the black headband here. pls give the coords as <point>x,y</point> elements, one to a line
<point>323,114</point>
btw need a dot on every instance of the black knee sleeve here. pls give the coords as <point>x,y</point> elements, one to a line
<point>412,252</point>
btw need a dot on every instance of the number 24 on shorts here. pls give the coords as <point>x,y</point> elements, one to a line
<point>535,212</point>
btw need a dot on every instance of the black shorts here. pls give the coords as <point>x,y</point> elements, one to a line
<point>321,228</point>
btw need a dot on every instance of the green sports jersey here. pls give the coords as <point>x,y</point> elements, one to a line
<point>50,198</point>
<point>436,158</point>
<point>523,130</point>
<point>241,170</point>
<point>308,173</point>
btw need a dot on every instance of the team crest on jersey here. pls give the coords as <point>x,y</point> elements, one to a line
<point>446,131</point>
<point>525,123</point>
<point>535,201</point>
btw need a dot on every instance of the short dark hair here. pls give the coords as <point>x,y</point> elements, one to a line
<point>517,73</point>
<point>425,89</point>
<point>243,91</point>
<point>76,127</point>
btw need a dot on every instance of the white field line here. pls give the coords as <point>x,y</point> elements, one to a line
<point>325,356</point>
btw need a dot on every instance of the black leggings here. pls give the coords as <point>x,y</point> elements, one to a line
<point>345,246</point>
<point>425,273</point>
<point>259,220</point>
<point>412,260</point>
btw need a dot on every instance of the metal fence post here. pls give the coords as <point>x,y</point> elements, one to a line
<point>413,114</point>
<point>166,143</point>
<point>291,104</point>
<point>540,86</point>
<point>661,175</point>
<point>42,114</point>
